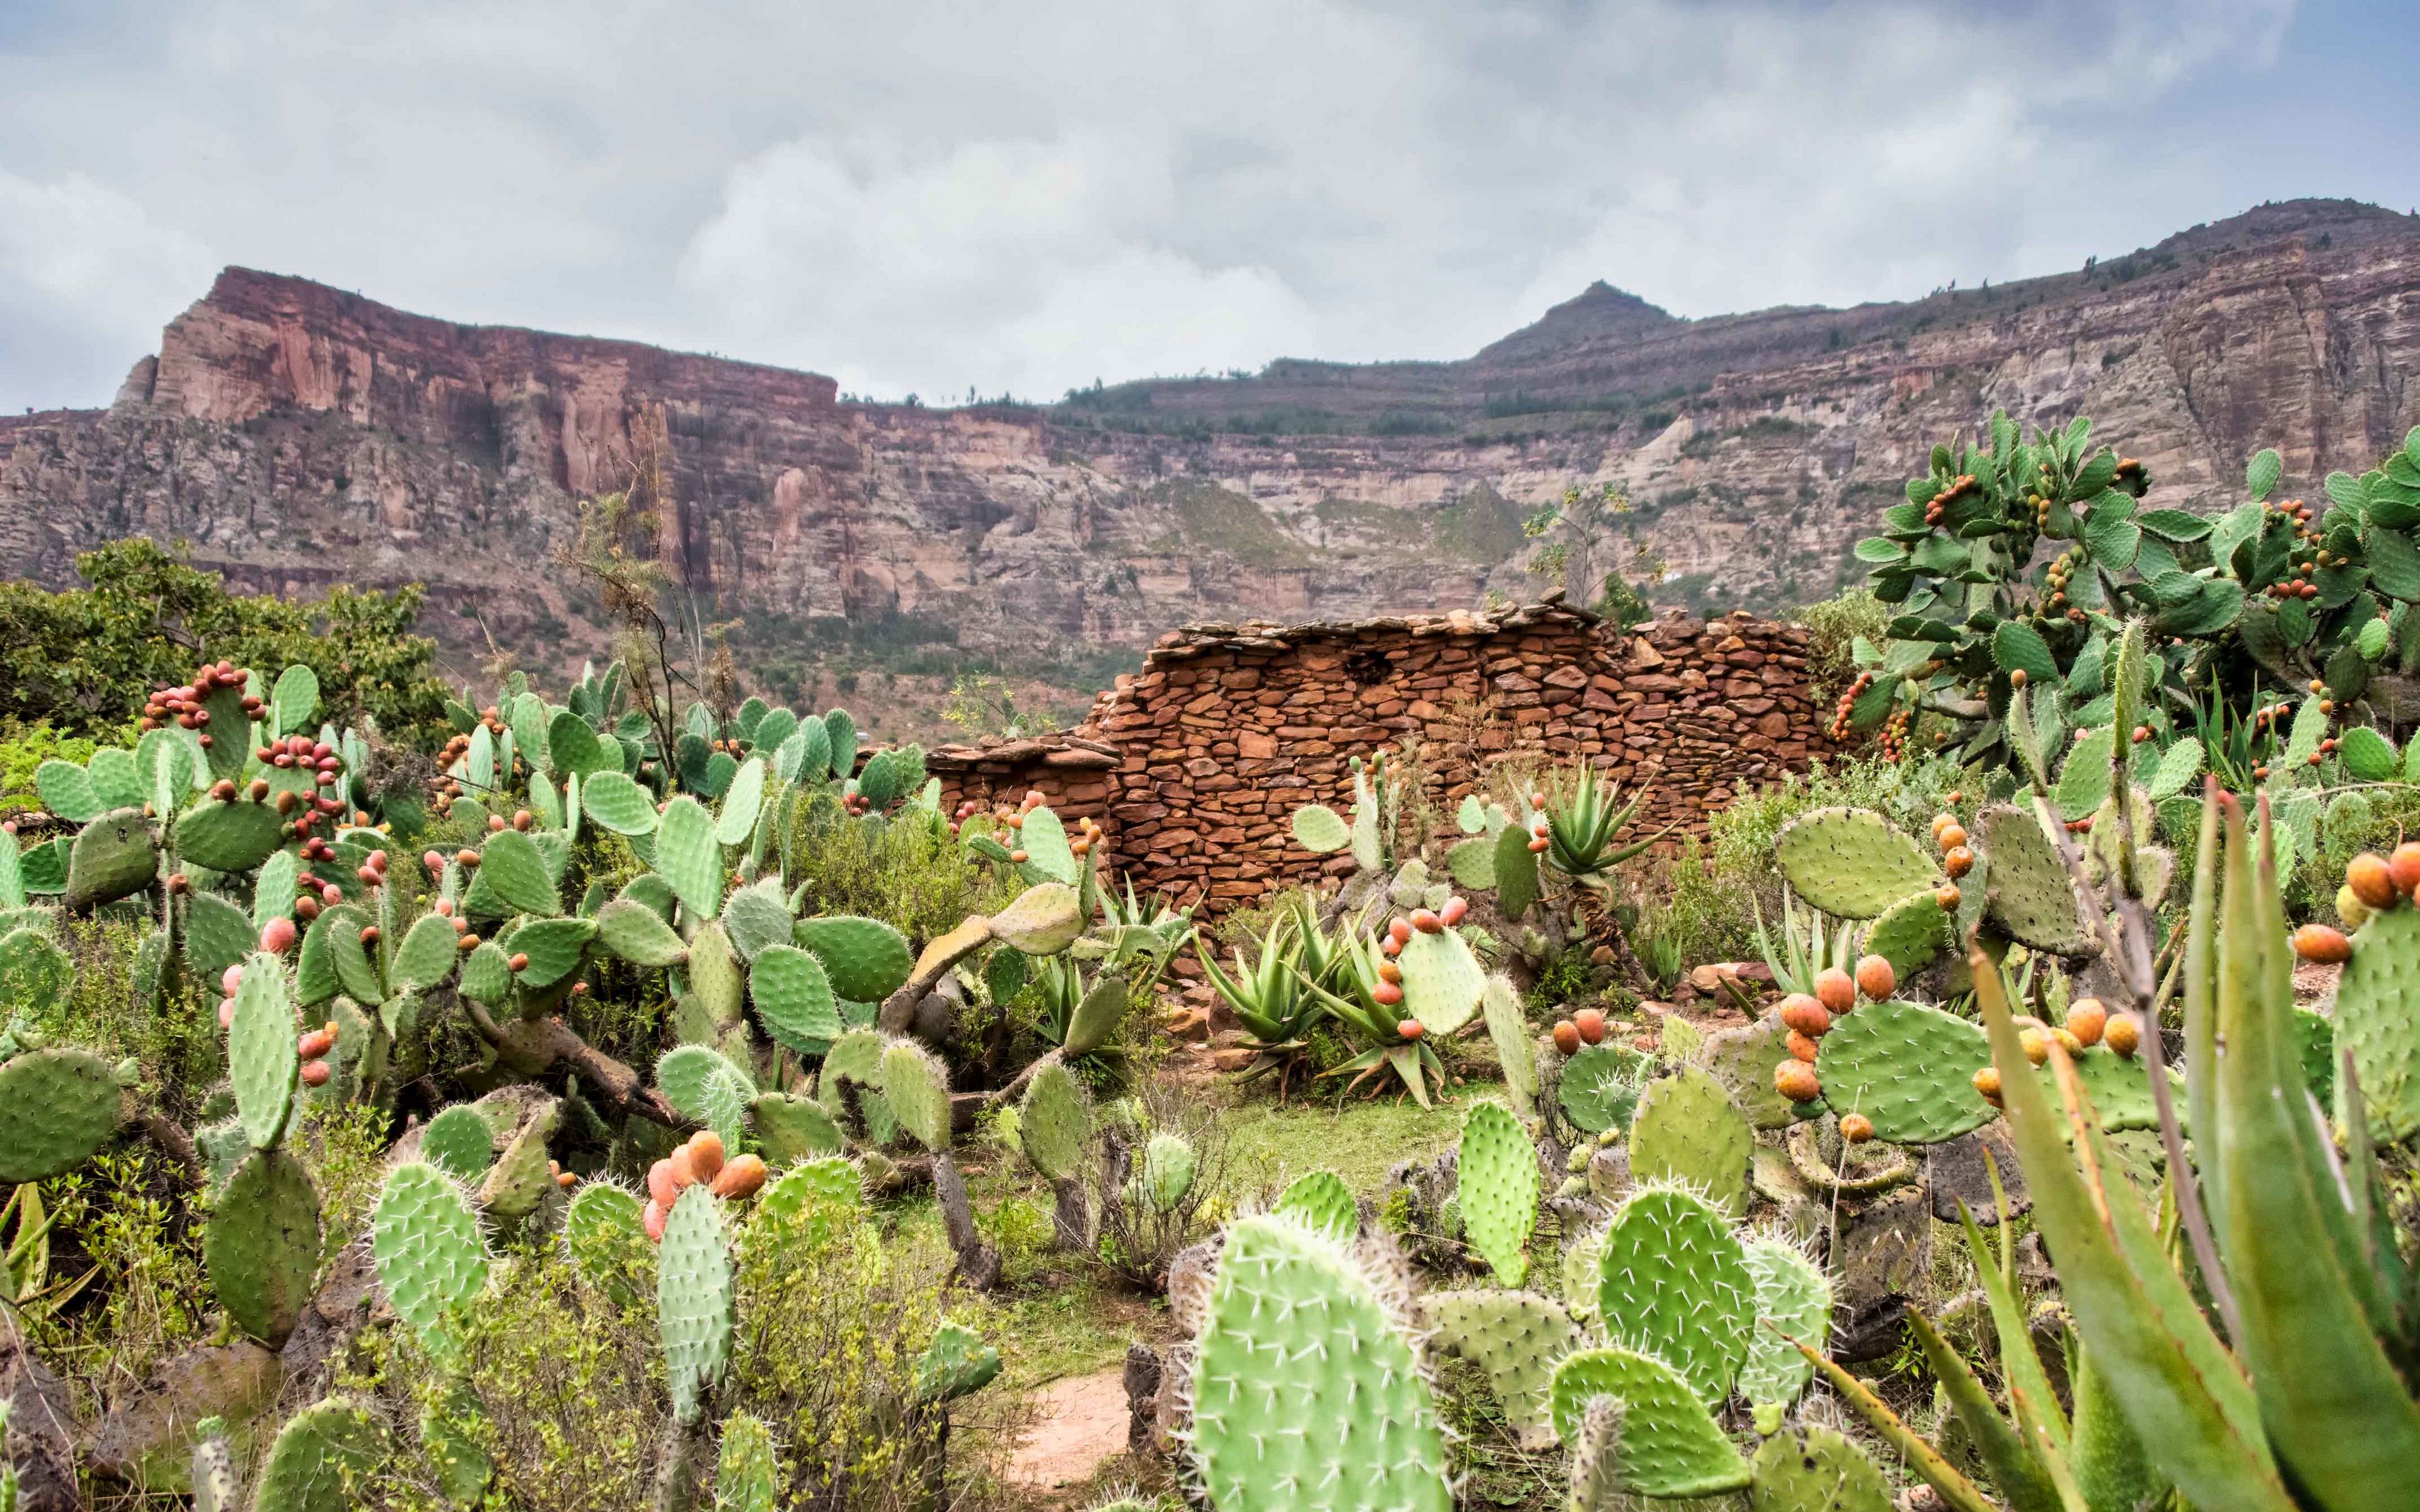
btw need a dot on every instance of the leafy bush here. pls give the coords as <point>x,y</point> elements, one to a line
<point>1833,627</point>
<point>910,873</point>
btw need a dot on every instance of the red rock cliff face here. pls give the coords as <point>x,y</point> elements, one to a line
<point>298,437</point>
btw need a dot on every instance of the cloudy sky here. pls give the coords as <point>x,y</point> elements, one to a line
<point>916,196</point>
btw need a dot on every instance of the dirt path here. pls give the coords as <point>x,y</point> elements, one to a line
<point>1083,1422</point>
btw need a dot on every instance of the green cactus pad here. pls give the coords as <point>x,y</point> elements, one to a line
<point>688,859</point>
<point>35,973</point>
<point>792,1129</point>
<point>1442,980</point>
<point>460,1143</point>
<point>66,792</point>
<point>1321,830</point>
<point>1686,1130</point>
<point>262,1062</point>
<point>724,1104</point>
<point>2030,895</point>
<point>794,998</point>
<point>746,1477</point>
<point>917,1086</point>
<point>857,1056</point>
<point>1499,1185</point>
<point>714,978</point>
<point>737,819</point>
<point>426,1243</point>
<point>755,916</point>
<point>117,780</point>
<point>1743,1061</point>
<point>615,802</point>
<point>1600,1087</point>
<point>637,933</point>
<point>1097,1017</point>
<point>694,1299</point>
<point>1306,1395</point>
<point>1044,919</point>
<point>681,1075</point>
<point>521,1178</point>
<point>556,947</point>
<point>1908,1068</point>
<point>814,1201</point>
<point>1670,1443</point>
<point>2314,1051</point>
<point>1794,1301</point>
<point>955,1364</point>
<point>605,1239</point>
<point>355,972</point>
<point>512,868</point>
<point>1909,934</point>
<point>487,974</point>
<point>1169,1167</point>
<point>322,1460</point>
<point>2378,1020</point>
<point>57,1108</point>
<point>428,954</point>
<point>1320,1201</point>
<point>228,837</point>
<point>1517,871</point>
<point>866,958</point>
<point>1508,1030</point>
<point>1517,1337</point>
<point>2119,1089</point>
<point>262,1247</point>
<point>1472,862</point>
<point>218,934</point>
<point>1810,1468</point>
<point>1850,863</point>
<point>315,967</point>
<point>842,730</point>
<point>1672,1281</point>
<point>1054,1122</point>
<point>114,856</point>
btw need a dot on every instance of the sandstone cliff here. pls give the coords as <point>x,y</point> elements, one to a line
<point>299,435</point>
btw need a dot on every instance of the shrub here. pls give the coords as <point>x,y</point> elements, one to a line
<point>909,872</point>
<point>1833,627</point>
<point>1141,1235</point>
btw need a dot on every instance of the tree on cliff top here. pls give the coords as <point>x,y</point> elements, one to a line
<point>84,659</point>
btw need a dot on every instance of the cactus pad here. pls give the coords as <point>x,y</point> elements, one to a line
<point>1908,1068</point>
<point>866,958</point>
<point>1850,863</point>
<point>1743,1061</point>
<point>2030,895</point>
<point>605,1238</point>
<point>792,1129</point>
<point>1442,980</point>
<point>1054,1122</point>
<point>1499,1185</point>
<point>794,998</point>
<point>322,1460</point>
<point>228,837</point>
<point>745,1476</point>
<point>917,1086</point>
<point>1320,830</point>
<point>688,857</point>
<point>514,873</point>
<point>34,972</point>
<point>1472,863</point>
<point>1909,934</point>
<point>350,958</point>
<point>1321,1202</point>
<point>1794,1301</point>
<point>218,934</point>
<point>856,1057</point>
<point>487,974</point>
<point>262,1062</point>
<point>755,916</point>
<point>1044,919</point>
<point>1169,1167</point>
<point>1600,1087</point>
<point>681,1075</point>
<point>637,933</point>
<point>57,1107</point>
<point>1686,1130</point>
<point>1097,1018</point>
<point>823,1198</point>
<point>616,803</point>
<point>262,1247</point>
<point>694,1299</point>
<point>556,947</point>
<point>2378,1020</point>
<point>426,1243</point>
<point>958,1363</point>
<point>1670,1443</point>
<point>458,1142</point>
<point>1517,1337</point>
<point>1672,1281</point>
<point>1508,1031</point>
<point>2119,1089</point>
<point>520,1180</point>
<point>740,800</point>
<point>427,956</point>
<point>1810,1468</point>
<point>1047,856</point>
<point>1306,1395</point>
<point>114,856</point>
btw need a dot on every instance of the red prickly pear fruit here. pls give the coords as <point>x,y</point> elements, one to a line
<point>277,936</point>
<point>227,1013</point>
<point>1804,1015</point>
<point>1426,923</point>
<point>2124,1035</point>
<point>317,1072</point>
<point>2321,945</point>
<point>306,907</point>
<point>1399,932</point>
<point>1856,1127</point>
<point>1834,989</point>
<point>743,1178</point>
<point>229,979</point>
<point>1453,910</point>
<point>1390,946</point>
<point>2404,867</point>
<point>1537,844</point>
<point>331,895</point>
<point>1388,971</point>
<point>2372,879</point>
<point>1796,1081</point>
<point>659,1183</point>
<point>433,861</point>
<point>522,819</point>
<point>1590,1023</point>
<point>2087,1019</point>
<point>1567,1037</point>
<point>444,907</point>
<point>704,1155</point>
<point>315,1044</point>
<point>519,961</point>
<point>1875,977</point>
<point>1411,1028</point>
<point>368,875</point>
<point>684,1173</point>
<point>1387,993</point>
<point>654,1219</point>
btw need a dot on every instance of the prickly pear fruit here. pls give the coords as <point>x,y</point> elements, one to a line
<point>2321,945</point>
<point>1796,1080</point>
<point>1875,977</point>
<point>2371,879</point>
<point>2087,1019</point>
<point>1834,989</point>
<point>1591,1024</point>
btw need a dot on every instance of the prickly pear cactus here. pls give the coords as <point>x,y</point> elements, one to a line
<point>261,1248</point>
<point>2031,896</point>
<point>114,856</point>
<point>1599,1088</point>
<point>1517,1337</point>
<point>1794,1301</point>
<point>213,1473</point>
<point>321,1460</point>
<point>694,1302</point>
<point>426,1243</point>
<point>1321,1202</point>
<point>262,1061</point>
<point>1909,1067</point>
<point>1168,1168</point>
<point>1442,980</point>
<point>2378,1020</point>
<point>1673,1282</point>
<point>1850,863</point>
<point>1097,1018</point>
<point>1508,1031</point>
<point>1809,1469</point>
<point>57,1108</point>
<point>956,1363</point>
<point>813,1201</point>
<point>605,1238</point>
<point>866,958</point>
<point>1687,1131</point>
<point>458,1142</point>
<point>794,998</point>
<point>1497,1171</point>
<point>1909,934</point>
<point>1306,1392</point>
<point>688,856</point>
<point>917,1086</point>
<point>1054,1125</point>
<point>746,1477</point>
<point>1668,1444</point>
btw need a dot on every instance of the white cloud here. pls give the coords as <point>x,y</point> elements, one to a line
<point>925,197</point>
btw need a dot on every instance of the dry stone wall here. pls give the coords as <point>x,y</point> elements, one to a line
<point>1196,763</point>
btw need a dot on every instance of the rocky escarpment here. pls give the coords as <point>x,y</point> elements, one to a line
<point>300,435</point>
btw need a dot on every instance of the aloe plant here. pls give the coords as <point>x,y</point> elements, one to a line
<point>1271,998</point>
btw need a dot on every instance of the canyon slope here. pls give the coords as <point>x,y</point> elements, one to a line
<point>297,437</point>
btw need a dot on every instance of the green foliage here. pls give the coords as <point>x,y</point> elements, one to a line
<point>1833,627</point>
<point>910,873</point>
